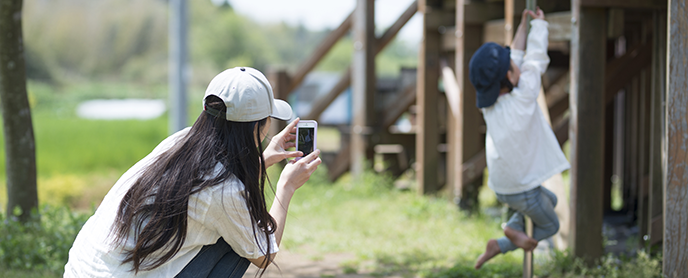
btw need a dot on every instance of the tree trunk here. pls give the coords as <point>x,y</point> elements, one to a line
<point>20,148</point>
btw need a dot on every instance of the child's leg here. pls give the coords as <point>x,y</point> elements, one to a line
<point>541,211</point>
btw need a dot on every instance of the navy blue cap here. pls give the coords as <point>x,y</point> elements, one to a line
<point>487,68</point>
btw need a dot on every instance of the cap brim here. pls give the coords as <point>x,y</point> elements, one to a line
<point>488,96</point>
<point>281,110</point>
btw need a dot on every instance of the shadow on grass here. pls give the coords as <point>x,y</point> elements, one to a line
<point>420,264</point>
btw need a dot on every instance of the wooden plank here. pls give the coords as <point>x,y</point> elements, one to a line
<point>656,188</point>
<point>319,52</point>
<point>622,69</point>
<point>675,257</point>
<point>643,116</point>
<point>427,137</point>
<point>393,30</point>
<point>508,24</point>
<point>479,12</point>
<point>636,4</point>
<point>322,103</point>
<point>455,121</point>
<point>279,79</point>
<point>395,109</point>
<point>559,28</point>
<point>588,45</point>
<point>362,85</point>
<point>473,123</point>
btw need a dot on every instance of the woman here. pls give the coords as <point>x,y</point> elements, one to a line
<point>195,206</point>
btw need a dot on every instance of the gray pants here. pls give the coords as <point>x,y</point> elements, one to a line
<point>538,204</point>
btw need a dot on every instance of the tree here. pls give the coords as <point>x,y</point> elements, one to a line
<point>20,149</point>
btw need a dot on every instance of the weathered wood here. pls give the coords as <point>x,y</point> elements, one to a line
<point>643,139</point>
<point>615,23</point>
<point>319,52</point>
<point>586,130</point>
<point>320,104</point>
<point>559,28</point>
<point>323,102</point>
<point>620,70</point>
<point>638,4</point>
<point>362,85</point>
<point>393,111</point>
<point>508,24</point>
<point>676,160</point>
<point>656,183</point>
<point>279,79</point>
<point>427,137</point>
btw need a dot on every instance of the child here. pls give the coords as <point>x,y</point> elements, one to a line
<point>521,149</point>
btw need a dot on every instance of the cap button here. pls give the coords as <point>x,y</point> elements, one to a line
<point>242,69</point>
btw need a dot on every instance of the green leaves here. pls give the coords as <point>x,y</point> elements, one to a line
<point>42,243</point>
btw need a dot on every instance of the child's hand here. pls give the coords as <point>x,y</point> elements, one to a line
<point>537,14</point>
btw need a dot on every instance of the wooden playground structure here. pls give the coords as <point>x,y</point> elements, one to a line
<point>615,90</point>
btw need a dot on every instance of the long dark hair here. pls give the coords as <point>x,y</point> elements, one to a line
<point>156,205</point>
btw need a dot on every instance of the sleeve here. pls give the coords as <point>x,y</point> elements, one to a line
<point>535,61</point>
<point>229,216</point>
<point>517,57</point>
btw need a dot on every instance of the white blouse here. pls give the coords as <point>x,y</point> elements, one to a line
<point>214,212</point>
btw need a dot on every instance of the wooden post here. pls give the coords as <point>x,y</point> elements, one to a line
<point>280,81</point>
<point>427,136</point>
<point>455,131</point>
<point>362,84</point>
<point>473,123</point>
<point>586,130</point>
<point>676,182</point>
<point>509,25</point>
<point>656,179</point>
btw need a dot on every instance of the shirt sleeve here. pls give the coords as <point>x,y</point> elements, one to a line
<point>535,61</point>
<point>230,217</point>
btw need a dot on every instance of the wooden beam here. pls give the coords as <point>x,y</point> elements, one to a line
<point>279,79</point>
<point>395,109</point>
<point>455,117</point>
<point>621,71</point>
<point>319,53</point>
<point>322,103</point>
<point>676,159</point>
<point>559,28</point>
<point>479,12</point>
<point>393,30</point>
<point>427,137</point>
<point>588,45</point>
<point>635,4</point>
<point>362,84</point>
<point>656,184</point>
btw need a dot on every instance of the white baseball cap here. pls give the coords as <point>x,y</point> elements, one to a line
<point>247,95</point>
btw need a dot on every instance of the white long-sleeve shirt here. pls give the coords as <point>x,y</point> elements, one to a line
<point>214,212</point>
<point>521,148</point>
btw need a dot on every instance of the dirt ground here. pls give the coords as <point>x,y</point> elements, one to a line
<point>297,265</point>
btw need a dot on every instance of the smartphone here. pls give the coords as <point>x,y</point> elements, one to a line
<point>306,137</point>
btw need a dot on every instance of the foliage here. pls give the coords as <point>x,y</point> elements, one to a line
<point>42,244</point>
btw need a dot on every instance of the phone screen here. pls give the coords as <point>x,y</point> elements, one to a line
<point>306,136</point>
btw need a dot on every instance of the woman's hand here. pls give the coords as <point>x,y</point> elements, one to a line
<point>296,173</point>
<point>276,151</point>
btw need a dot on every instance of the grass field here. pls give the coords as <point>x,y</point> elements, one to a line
<point>389,231</point>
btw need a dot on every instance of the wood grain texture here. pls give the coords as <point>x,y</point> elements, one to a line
<point>676,183</point>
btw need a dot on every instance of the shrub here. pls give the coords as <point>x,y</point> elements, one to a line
<point>42,243</point>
